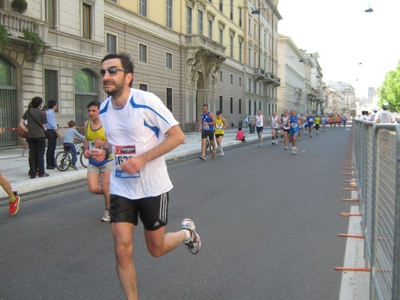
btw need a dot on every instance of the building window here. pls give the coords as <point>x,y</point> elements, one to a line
<point>143,7</point>
<point>255,59</point>
<point>200,22</point>
<point>255,87</point>
<point>240,16</point>
<point>231,46</point>
<point>143,87</point>
<point>255,30</point>
<point>231,10</point>
<point>249,56</point>
<point>255,107</point>
<point>231,105</point>
<point>111,43</point>
<point>221,5</point>
<point>249,26</point>
<point>220,103</point>
<point>240,50</point>
<point>169,14</point>
<point>220,76</point>
<point>86,21</point>
<point>50,13</point>
<point>232,79</point>
<point>168,60</point>
<point>189,20</point>
<point>249,85</point>
<point>210,24</point>
<point>51,85</point>
<point>240,81</point>
<point>249,107</point>
<point>221,36</point>
<point>169,99</point>
<point>240,106</point>
<point>143,53</point>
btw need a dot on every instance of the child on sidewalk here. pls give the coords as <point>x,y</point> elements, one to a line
<point>68,142</point>
<point>14,198</point>
<point>240,135</point>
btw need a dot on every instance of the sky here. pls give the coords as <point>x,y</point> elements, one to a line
<point>353,46</point>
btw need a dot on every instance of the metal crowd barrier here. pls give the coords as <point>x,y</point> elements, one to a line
<point>376,160</point>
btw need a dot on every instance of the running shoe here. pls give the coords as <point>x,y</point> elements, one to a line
<point>106,216</point>
<point>221,154</point>
<point>285,148</point>
<point>213,154</point>
<point>277,142</point>
<point>273,142</point>
<point>14,206</point>
<point>194,242</point>
<point>74,167</point>
<point>294,150</point>
<point>203,157</point>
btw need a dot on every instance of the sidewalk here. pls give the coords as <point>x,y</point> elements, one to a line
<point>15,167</point>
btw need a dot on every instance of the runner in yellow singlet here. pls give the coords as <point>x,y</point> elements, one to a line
<point>96,138</point>
<point>220,125</point>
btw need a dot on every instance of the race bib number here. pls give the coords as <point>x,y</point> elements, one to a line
<point>219,126</point>
<point>122,154</point>
<point>293,125</point>
<point>206,127</point>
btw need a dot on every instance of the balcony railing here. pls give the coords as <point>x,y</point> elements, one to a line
<point>201,41</point>
<point>16,23</point>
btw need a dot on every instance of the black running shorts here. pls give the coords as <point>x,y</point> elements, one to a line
<point>153,211</point>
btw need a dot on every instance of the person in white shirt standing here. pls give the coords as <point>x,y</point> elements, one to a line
<point>373,115</point>
<point>136,123</point>
<point>385,116</point>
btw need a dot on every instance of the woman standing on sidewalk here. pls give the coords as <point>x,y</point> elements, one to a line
<point>220,125</point>
<point>36,136</point>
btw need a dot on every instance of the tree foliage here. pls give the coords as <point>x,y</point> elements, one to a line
<point>390,90</point>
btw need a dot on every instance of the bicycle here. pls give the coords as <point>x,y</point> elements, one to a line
<point>64,158</point>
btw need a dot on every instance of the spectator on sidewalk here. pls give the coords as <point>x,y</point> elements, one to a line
<point>5,184</point>
<point>240,135</point>
<point>36,123</point>
<point>385,116</point>
<point>246,120</point>
<point>69,144</point>
<point>372,116</point>
<point>52,135</point>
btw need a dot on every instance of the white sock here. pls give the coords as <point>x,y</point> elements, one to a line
<point>188,235</point>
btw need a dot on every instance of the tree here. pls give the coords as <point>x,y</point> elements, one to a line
<point>390,90</point>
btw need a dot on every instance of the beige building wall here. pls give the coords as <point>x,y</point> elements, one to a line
<point>66,51</point>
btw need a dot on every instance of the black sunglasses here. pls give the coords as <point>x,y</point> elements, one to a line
<point>111,71</point>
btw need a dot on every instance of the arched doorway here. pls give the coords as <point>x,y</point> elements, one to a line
<point>201,96</point>
<point>86,91</point>
<point>8,103</point>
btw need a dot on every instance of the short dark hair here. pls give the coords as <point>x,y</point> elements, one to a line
<point>205,105</point>
<point>51,104</point>
<point>94,103</point>
<point>125,60</point>
<point>218,112</point>
<point>36,102</point>
<point>71,123</point>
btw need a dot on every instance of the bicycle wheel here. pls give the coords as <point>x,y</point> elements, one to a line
<point>84,161</point>
<point>63,161</point>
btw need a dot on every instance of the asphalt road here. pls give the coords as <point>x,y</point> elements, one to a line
<point>268,221</point>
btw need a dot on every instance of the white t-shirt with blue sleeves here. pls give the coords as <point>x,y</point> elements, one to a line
<point>133,130</point>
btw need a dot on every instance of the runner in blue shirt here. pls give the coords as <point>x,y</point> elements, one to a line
<point>294,129</point>
<point>310,120</point>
